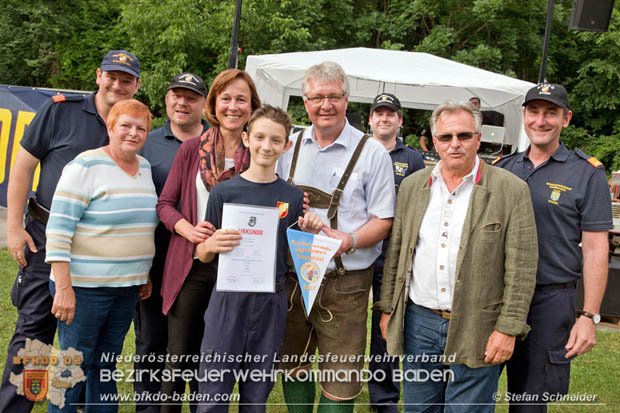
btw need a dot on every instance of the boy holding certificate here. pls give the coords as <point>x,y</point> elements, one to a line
<point>244,330</point>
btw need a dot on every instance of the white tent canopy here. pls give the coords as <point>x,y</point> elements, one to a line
<point>419,80</point>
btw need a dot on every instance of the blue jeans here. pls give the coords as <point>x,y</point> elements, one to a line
<point>431,386</point>
<point>102,317</point>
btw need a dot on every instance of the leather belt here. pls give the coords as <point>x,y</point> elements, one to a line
<point>37,211</point>
<point>442,313</point>
<point>557,286</point>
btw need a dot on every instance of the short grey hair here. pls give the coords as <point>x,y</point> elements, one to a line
<point>325,72</point>
<point>452,106</point>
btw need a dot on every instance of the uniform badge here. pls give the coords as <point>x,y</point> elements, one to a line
<point>556,192</point>
<point>35,384</point>
<point>400,168</point>
<point>283,207</point>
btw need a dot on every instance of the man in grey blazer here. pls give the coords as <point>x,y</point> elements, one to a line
<point>460,271</point>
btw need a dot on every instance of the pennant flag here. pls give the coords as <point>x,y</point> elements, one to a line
<point>311,253</point>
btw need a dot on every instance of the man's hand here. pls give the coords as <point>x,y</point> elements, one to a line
<point>17,191</point>
<point>146,289</point>
<point>310,223</point>
<point>16,242</point>
<point>347,239</point>
<point>499,348</point>
<point>306,202</point>
<point>582,337</point>
<point>383,323</point>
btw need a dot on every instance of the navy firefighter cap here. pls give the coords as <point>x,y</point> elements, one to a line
<point>121,60</point>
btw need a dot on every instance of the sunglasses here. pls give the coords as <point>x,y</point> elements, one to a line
<point>462,136</point>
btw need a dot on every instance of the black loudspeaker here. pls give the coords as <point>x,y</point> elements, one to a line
<point>591,15</point>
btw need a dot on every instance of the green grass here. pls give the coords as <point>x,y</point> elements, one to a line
<point>597,372</point>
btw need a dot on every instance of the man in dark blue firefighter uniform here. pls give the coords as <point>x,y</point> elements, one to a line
<point>572,205</point>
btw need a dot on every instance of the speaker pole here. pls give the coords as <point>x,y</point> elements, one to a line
<point>234,47</point>
<point>543,60</point>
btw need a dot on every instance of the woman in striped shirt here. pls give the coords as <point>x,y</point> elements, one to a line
<point>100,244</point>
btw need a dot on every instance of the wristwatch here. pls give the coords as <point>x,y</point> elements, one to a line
<point>595,317</point>
<point>354,246</point>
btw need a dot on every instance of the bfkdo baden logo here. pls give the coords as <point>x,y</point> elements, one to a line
<point>35,384</point>
<point>47,373</point>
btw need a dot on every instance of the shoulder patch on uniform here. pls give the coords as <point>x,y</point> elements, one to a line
<point>590,159</point>
<point>68,98</point>
<point>59,98</point>
<point>594,162</point>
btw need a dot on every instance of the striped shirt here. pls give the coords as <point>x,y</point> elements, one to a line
<point>102,221</point>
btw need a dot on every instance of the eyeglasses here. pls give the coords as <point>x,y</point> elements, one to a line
<point>317,100</point>
<point>462,136</point>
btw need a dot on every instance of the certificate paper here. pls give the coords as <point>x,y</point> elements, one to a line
<point>251,266</point>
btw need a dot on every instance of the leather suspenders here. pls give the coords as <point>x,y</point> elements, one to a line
<point>321,199</point>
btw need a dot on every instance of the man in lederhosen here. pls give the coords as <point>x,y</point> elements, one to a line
<point>350,184</point>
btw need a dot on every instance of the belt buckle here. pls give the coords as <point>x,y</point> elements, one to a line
<point>442,313</point>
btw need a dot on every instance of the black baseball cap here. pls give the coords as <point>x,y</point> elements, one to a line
<point>549,92</point>
<point>189,81</point>
<point>386,99</point>
<point>122,61</point>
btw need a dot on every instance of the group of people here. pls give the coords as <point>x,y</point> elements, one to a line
<point>472,267</point>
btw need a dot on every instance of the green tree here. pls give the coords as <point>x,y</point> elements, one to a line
<point>55,43</point>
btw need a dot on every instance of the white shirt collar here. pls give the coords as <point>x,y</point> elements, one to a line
<point>344,139</point>
<point>436,173</point>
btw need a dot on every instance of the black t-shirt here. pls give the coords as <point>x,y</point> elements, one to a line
<point>238,190</point>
